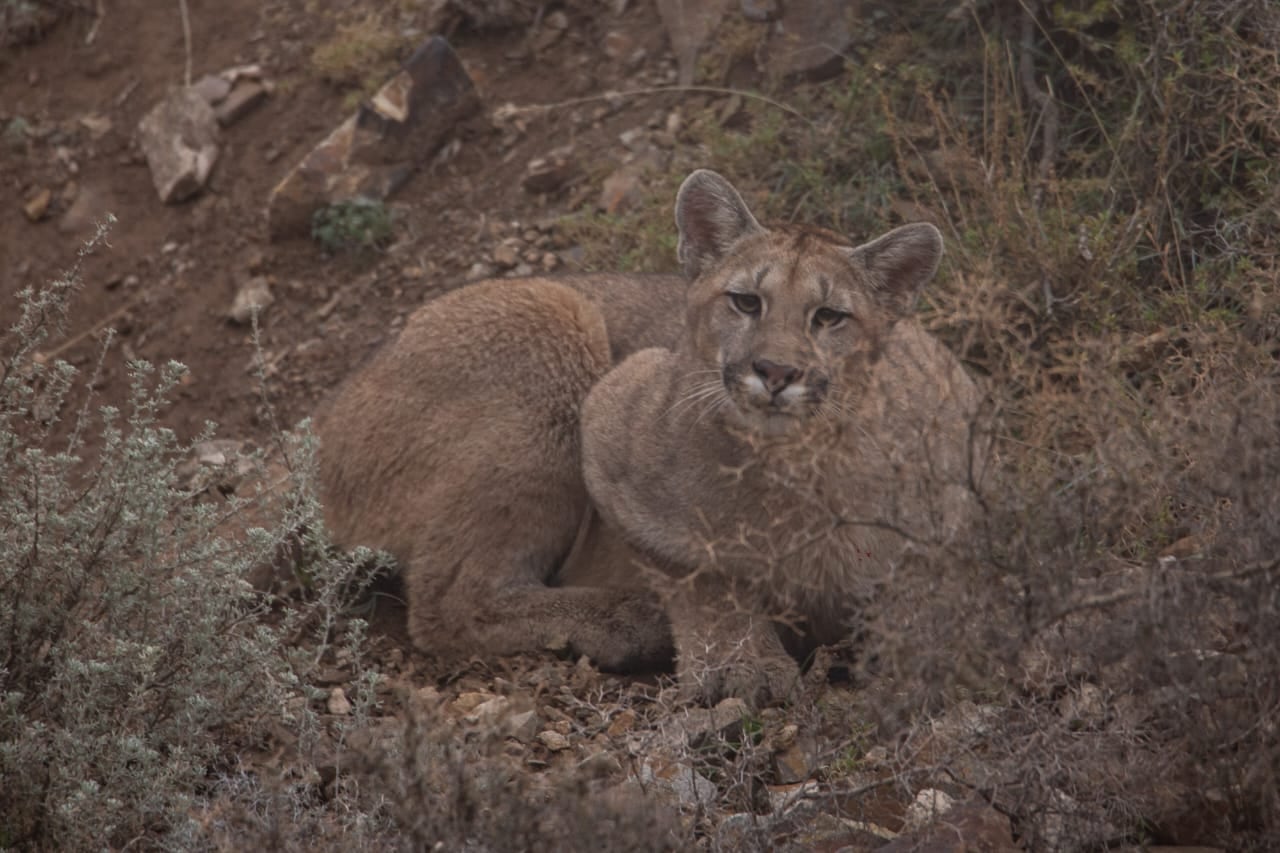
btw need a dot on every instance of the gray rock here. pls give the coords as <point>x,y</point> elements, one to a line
<point>522,726</point>
<point>180,140</point>
<point>243,98</point>
<point>690,787</point>
<point>971,825</point>
<point>760,11</point>
<point>376,150</point>
<point>212,87</point>
<point>929,805</point>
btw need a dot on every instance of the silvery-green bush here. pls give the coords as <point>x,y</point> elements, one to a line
<point>134,658</point>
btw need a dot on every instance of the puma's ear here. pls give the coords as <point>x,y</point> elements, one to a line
<point>711,217</point>
<point>901,263</point>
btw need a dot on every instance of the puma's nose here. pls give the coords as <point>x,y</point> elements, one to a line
<point>775,376</point>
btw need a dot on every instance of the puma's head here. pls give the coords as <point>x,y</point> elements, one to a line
<point>791,318</point>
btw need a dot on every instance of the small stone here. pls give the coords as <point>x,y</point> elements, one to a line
<point>338,703</point>
<point>633,139</point>
<point>426,697</point>
<point>212,87</point>
<point>550,173</point>
<point>489,712</point>
<point>786,736</point>
<point>877,756</point>
<point>621,191</point>
<point>690,787</point>
<point>618,45</point>
<point>674,122</point>
<point>522,726</point>
<point>244,97</point>
<point>971,825</point>
<point>97,125</point>
<point>37,207</point>
<point>785,798</point>
<point>179,137</point>
<point>553,27</point>
<point>478,271</point>
<point>505,256</point>
<point>760,11</point>
<point>253,295</point>
<point>553,740</point>
<point>215,452</point>
<point>929,805</point>
<point>468,702</point>
<point>622,723</point>
<point>549,261</point>
<point>791,765</point>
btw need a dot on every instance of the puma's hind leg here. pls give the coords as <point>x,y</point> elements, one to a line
<point>457,449</point>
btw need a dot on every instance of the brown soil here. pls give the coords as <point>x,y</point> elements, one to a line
<point>171,271</point>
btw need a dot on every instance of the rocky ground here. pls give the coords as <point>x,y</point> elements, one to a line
<point>525,118</point>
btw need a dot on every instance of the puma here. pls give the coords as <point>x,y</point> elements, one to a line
<point>721,465</point>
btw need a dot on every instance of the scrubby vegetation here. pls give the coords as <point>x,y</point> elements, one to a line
<point>137,658</point>
<point>1106,177</point>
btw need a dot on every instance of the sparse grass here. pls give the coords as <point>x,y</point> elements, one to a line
<point>360,55</point>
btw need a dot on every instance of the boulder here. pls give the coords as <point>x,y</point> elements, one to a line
<point>179,137</point>
<point>375,151</point>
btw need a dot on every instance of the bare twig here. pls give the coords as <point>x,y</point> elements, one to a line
<point>186,38</point>
<point>1044,100</point>
<point>92,330</point>
<point>660,90</point>
<point>1098,602</point>
<point>100,12</point>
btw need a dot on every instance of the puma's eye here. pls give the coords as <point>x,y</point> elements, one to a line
<point>828,318</point>
<point>745,303</point>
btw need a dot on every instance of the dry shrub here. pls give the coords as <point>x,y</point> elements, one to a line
<point>1097,657</point>
<point>1113,260</point>
<point>448,788</point>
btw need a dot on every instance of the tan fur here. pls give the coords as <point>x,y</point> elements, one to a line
<point>765,468</point>
<point>456,450</point>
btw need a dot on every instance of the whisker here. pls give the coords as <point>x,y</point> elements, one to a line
<point>715,406</point>
<point>696,395</point>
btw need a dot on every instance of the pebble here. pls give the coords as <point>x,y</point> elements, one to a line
<point>553,740</point>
